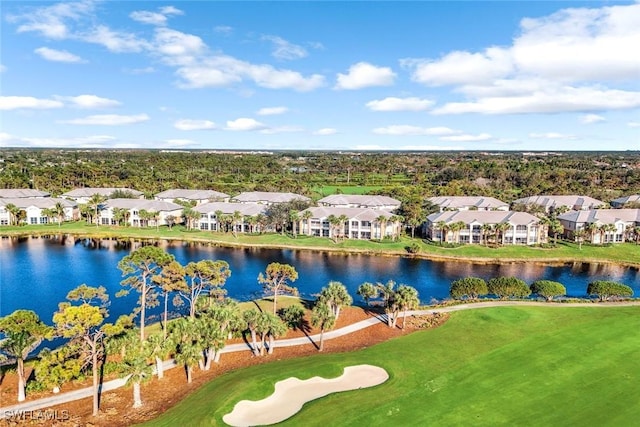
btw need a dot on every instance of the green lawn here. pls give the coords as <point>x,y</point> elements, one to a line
<point>495,366</point>
<point>627,253</point>
<point>327,190</point>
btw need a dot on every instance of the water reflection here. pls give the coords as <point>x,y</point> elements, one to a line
<point>37,273</point>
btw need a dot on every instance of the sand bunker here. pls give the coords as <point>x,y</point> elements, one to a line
<point>292,393</point>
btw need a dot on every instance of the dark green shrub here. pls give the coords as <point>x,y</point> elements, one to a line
<point>468,288</point>
<point>508,287</point>
<point>548,289</point>
<point>605,290</point>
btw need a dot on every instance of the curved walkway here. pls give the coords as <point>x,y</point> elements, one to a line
<point>8,411</point>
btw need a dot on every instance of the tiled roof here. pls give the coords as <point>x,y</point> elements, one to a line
<point>555,201</point>
<point>362,200</point>
<point>191,194</point>
<point>605,216</point>
<point>106,192</point>
<point>21,192</point>
<point>266,196</point>
<point>246,209</point>
<point>42,203</point>
<point>484,217</point>
<point>139,204</point>
<point>455,202</point>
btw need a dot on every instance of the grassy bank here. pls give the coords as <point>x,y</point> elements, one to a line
<point>494,366</point>
<point>627,253</point>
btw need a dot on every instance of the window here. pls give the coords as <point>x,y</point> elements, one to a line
<point>44,220</point>
<point>4,222</point>
<point>521,228</point>
<point>366,223</point>
<point>135,213</point>
<point>204,226</point>
<point>33,220</point>
<point>355,223</point>
<point>105,221</point>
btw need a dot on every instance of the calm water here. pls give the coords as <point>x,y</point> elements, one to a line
<point>37,273</point>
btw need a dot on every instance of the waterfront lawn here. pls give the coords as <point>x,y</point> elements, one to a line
<point>627,253</point>
<point>533,366</point>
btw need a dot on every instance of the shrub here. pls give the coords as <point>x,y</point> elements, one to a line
<point>605,290</point>
<point>548,289</point>
<point>469,287</point>
<point>508,287</point>
<point>413,248</point>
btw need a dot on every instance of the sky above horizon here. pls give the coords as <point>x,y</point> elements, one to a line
<point>331,75</point>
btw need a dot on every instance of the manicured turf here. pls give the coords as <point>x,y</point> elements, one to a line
<point>495,366</point>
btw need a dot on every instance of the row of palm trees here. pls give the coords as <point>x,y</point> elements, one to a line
<point>498,231</point>
<point>18,215</point>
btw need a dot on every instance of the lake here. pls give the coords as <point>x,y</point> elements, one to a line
<point>37,272</point>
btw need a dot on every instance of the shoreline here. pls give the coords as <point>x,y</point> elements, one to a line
<point>113,235</point>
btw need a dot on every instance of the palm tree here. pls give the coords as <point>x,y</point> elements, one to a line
<point>158,348</point>
<point>306,216</point>
<point>13,213</point>
<point>251,221</point>
<point>501,229</point>
<point>396,220</point>
<point>186,336</point>
<point>294,218</point>
<point>58,209</point>
<point>381,220</point>
<point>322,317</point>
<point>335,295</point>
<point>48,213</point>
<point>444,230</point>
<point>579,236</point>
<point>591,228</point>
<point>610,229</point>
<point>95,201</point>
<point>343,221</point>
<point>334,223</point>
<point>251,318</point>
<point>236,218</point>
<point>155,216</point>
<point>218,215</point>
<point>406,298</point>
<point>487,230</point>
<point>136,367</point>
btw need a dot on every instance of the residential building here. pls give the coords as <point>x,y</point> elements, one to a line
<point>468,203</point>
<point>553,203</point>
<point>622,201</point>
<point>267,197</point>
<point>109,214</point>
<point>34,207</point>
<point>601,225</point>
<point>481,226</point>
<point>83,195</point>
<point>360,201</point>
<point>219,216</point>
<point>351,223</point>
<point>22,193</point>
<point>197,196</point>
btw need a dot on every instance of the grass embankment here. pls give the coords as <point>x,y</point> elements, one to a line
<point>495,366</point>
<point>627,253</point>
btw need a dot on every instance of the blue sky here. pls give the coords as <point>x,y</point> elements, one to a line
<point>428,75</point>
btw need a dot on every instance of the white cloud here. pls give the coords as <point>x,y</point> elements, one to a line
<point>218,71</point>
<point>414,130</point>
<point>569,61</point>
<point>51,21</point>
<point>90,101</point>
<point>634,124</point>
<point>552,99</point>
<point>326,131</point>
<point>146,17</point>
<point>591,118</point>
<point>27,102</point>
<point>363,75</point>
<point>400,104</point>
<point>272,111</point>
<point>170,10</point>
<point>108,120</point>
<point>115,41</point>
<point>282,49</point>
<point>466,138</point>
<point>58,55</point>
<point>181,143</point>
<point>188,124</point>
<point>138,71</point>
<point>245,124</point>
<point>223,29</point>
<point>281,129</point>
<point>2,68</point>
<point>551,135</point>
<point>91,141</point>
<point>461,67</point>
<point>176,47</point>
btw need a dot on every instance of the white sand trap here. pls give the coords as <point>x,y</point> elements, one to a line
<point>292,393</point>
